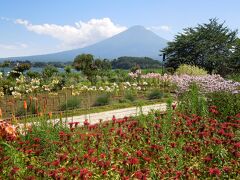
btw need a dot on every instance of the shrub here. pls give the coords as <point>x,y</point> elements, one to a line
<point>130,96</point>
<point>155,94</point>
<point>102,100</point>
<point>124,100</point>
<point>169,70</point>
<point>234,77</point>
<point>228,104</point>
<point>72,103</point>
<point>190,70</point>
<point>193,102</point>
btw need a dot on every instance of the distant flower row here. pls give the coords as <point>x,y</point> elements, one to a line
<point>25,85</point>
<point>207,83</point>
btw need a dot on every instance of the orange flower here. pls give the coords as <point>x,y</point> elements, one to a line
<point>50,115</point>
<point>0,112</point>
<point>25,105</point>
<point>40,113</point>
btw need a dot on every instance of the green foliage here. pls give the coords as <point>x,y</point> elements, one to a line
<point>170,70</point>
<point>90,67</point>
<point>208,46</point>
<point>49,71</point>
<point>193,102</point>
<point>68,69</point>
<point>119,75</point>
<point>130,96</point>
<point>227,104</point>
<point>190,70</point>
<point>155,94</point>
<point>234,61</point>
<point>72,103</point>
<point>234,77</point>
<point>22,67</point>
<point>129,62</point>
<point>33,74</point>
<point>102,100</point>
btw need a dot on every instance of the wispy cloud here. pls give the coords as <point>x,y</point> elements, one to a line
<point>5,18</point>
<point>80,34</point>
<point>14,46</point>
<point>165,28</point>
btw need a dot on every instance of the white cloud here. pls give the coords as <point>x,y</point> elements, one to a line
<point>15,46</point>
<point>80,34</point>
<point>160,28</point>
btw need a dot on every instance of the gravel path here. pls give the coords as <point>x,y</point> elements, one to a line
<point>107,115</point>
<point>119,113</point>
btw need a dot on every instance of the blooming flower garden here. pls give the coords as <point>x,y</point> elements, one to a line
<point>199,138</point>
<point>160,146</point>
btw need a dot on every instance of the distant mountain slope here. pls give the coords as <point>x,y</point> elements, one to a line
<point>135,41</point>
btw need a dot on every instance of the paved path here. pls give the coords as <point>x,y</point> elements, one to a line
<point>107,115</point>
<point>119,113</point>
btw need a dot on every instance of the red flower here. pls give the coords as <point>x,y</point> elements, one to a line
<point>214,171</point>
<point>139,153</point>
<point>56,163</point>
<point>138,175</point>
<point>86,123</point>
<point>207,159</point>
<point>226,169</point>
<point>14,170</point>
<point>237,145</point>
<point>174,106</point>
<point>173,144</point>
<point>102,155</point>
<point>104,173</point>
<point>133,160</point>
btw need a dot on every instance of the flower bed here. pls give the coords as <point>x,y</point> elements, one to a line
<point>154,146</point>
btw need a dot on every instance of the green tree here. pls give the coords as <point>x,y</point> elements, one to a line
<point>103,67</point>
<point>49,71</point>
<point>234,63</point>
<point>85,64</point>
<point>21,67</point>
<point>208,46</point>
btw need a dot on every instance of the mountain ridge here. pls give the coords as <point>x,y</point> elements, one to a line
<point>135,41</point>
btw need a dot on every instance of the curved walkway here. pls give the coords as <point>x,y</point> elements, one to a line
<point>94,118</point>
<point>119,113</point>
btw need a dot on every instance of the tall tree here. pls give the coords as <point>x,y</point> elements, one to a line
<point>208,46</point>
<point>85,64</point>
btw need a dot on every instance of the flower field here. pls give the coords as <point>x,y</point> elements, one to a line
<point>154,146</point>
<point>196,138</point>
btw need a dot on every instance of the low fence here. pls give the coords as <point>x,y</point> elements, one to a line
<point>40,104</point>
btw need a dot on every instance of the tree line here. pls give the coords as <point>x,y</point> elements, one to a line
<point>212,46</point>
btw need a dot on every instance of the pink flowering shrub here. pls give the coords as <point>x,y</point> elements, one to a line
<point>207,83</point>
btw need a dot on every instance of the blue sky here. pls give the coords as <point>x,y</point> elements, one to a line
<point>30,27</point>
